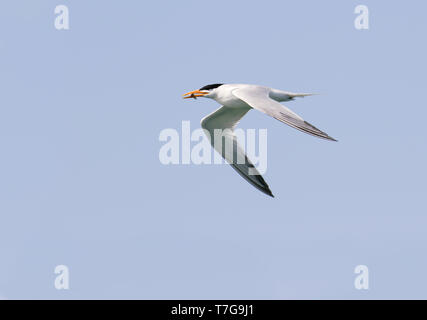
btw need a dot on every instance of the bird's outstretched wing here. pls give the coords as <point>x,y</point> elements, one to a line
<point>226,119</point>
<point>259,99</point>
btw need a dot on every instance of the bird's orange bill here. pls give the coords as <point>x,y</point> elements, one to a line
<point>194,94</point>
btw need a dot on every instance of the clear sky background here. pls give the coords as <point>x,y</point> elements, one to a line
<point>81,183</point>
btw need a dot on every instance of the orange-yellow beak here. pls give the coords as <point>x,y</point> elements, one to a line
<point>194,94</point>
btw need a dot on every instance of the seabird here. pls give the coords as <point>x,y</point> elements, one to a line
<point>236,101</point>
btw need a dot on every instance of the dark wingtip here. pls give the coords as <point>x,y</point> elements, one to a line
<point>268,192</point>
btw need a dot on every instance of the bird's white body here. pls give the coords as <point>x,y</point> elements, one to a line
<point>236,101</point>
<point>224,94</point>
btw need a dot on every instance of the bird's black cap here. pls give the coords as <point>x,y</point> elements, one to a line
<point>211,86</point>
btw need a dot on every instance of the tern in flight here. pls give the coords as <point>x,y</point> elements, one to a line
<point>236,101</point>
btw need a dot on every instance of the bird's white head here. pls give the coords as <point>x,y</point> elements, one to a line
<point>208,91</point>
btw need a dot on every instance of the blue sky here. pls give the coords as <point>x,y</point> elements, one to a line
<point>81,183</point>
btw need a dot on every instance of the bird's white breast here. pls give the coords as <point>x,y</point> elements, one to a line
<point>225,97</point>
